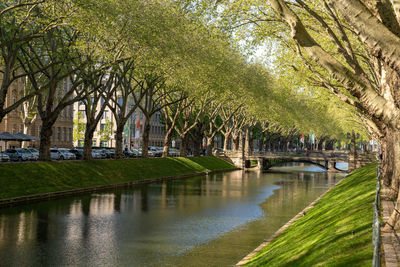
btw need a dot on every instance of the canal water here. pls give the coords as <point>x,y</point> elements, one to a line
<point>212,220</point>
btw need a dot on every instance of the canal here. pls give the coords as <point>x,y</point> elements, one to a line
<point>212,220</point>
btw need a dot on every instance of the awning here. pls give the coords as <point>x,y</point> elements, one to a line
<point>6,136</point>
<point>25,137</point>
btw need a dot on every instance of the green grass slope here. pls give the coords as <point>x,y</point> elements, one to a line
<point>336,232</point>
<point>22,179</point>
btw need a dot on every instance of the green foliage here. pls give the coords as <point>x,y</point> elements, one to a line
<point>106,134</point>
<point>79,127</point>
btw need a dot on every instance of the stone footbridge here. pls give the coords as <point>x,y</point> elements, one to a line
<point>325,159</point>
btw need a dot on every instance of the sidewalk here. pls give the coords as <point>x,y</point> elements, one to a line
<point>390,243</point>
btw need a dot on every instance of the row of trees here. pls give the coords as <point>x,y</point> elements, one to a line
<point>345,49</point>
<point>157,56</point>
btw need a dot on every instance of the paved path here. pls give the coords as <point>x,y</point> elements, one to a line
<point>390,243</point>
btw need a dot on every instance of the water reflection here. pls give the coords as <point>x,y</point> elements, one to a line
<point>218,218</point>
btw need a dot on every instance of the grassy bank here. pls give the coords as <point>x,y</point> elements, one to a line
<point>22,179</point>
<point>336,232</point>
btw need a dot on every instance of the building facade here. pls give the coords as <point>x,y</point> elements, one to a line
<point>13,122</point>
<point>133,131</point>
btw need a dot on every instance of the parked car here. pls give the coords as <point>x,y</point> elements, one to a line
<point>218,151</point>
<point>17,154</point>
<point>55,154</point>
<point>66,153</point>
<point>110,152</point>
<point>4,157</point>
<point>155,151</point>
<point>105,152</point>
<point>96,155</point>
<point>77,152</point>
<point>101,152</point>
<point>173,152</point>
<point>34,151</point>
<point>129,153</point>
<point>31,155</point>
<point>138,152</point>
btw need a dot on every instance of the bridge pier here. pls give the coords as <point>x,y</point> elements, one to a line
<point>352,162</point>
<point>332,166</point>
<point>260,163</point>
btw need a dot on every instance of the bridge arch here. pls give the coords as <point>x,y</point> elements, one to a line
<point>269,163</point>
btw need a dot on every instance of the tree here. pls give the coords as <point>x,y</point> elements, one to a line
<point>99,86</point>
<point>351,50</point>
<point>56,84</point>
<point>171,113</point>
<point>230,121</point>
<point>157,96</point>
<point>21,22</point>
<point>28,110</point>
<point>125,99</point>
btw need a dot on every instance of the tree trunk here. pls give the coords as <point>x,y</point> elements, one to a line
<point>247,146</point>
<point>167,144</point>
<point>387,164</point>
<point>118,141</point>
<point>395,155</point>
<point>45,141</point>
<point>145,138</point>
<point>236,142</point>
<point>209,145</point>
<point>25,131</point>
<point>87,145</point>
<point>240,143</point>
<point>227,136</point>
<point>183,145</point>
<point>261,143</point>
<point>198,140</point>
<point>197,147</point>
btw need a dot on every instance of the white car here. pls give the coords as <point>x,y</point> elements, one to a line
<point>96,155</point>
<point>173,152</point>
<point>4,157</point>
<point>55,154</point>
<point>34,151</point>
<point>66,153</point>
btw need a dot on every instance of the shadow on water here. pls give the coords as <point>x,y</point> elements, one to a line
<point>210,220</point>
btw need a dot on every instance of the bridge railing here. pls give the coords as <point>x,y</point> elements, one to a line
<point>326,153</point>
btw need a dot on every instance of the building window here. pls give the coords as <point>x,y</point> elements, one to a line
<point>59,134</point>
<point>105,114</point>
<point>65,134</point>
<point>53,133</point>
<point>70,134</point>
<point>94,143</point>
<point>102,127</point>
